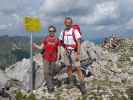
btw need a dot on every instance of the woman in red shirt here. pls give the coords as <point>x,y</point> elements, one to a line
<point>50,45</point>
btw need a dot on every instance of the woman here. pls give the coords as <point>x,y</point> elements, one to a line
<point>50,45</point>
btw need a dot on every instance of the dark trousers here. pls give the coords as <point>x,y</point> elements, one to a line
<point>49,73</point>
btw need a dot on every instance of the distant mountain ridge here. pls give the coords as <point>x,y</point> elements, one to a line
<point>9,52</point>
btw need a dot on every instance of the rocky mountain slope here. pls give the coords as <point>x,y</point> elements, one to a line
<point>112,77</point>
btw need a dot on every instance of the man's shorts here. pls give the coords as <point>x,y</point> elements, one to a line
<point>70,58</point>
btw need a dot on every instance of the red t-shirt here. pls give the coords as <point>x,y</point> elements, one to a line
<point>51,44</point>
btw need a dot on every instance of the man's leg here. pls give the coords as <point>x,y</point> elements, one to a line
<point>79,73</point>
<point>80,76</point>
<point>69,71</point>
<point>69,80</point>
<point>81,79</point>
<point>68,63</point>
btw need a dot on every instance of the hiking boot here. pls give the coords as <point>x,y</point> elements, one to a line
<point>50,90</point>
<point>50,86</point>
<point>70,83</point>
<point>74,80</point>
<point>82,88</point>
<point>57,82</point>
<point>66,80</point>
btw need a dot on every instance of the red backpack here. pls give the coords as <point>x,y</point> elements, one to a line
<point>75,27</point>
<point>51,48</point>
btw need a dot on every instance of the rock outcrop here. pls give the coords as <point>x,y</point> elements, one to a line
<point>112,72</point>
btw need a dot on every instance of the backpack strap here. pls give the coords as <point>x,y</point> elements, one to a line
<point>63,36</point>
<point>73,34</point>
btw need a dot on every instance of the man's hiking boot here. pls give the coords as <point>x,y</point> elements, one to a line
<point>70,83</point>
<point>82,88</point>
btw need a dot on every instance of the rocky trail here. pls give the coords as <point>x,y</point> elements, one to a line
<point>111,79</point>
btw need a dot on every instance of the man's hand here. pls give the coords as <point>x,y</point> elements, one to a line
<point>58,56</point>
<point>77,56</point>
<point>59,53</point>
<point>78,50</point>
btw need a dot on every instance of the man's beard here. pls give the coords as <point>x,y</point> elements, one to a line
<point>68,27</point>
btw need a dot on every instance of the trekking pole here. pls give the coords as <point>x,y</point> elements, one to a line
<point>31,60</point>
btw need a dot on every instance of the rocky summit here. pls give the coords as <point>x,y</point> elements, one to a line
<point>111,76</point>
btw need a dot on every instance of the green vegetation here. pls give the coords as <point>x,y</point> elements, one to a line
<point>21,96</point>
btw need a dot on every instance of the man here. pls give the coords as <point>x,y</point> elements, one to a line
<point>70,39</point>
<point>50,46</point>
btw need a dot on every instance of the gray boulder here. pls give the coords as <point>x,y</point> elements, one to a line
<point>21,71</point>
<point>3,79</point>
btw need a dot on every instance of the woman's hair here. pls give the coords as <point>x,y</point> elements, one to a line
<point>51,26</point>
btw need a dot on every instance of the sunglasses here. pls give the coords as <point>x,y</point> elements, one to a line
<point>51,31</point>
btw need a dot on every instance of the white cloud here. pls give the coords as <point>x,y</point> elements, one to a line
<point>13,11</point>
<point>106,9</point>
<point>56,6</point>
<point>102,11</point>
<point>97,14</point>
<point>5,27</point>
<point>16,17</point>
<point>99,28</point>
<point>7,5</point>
<point>54,11</point>
<point>129,24</point>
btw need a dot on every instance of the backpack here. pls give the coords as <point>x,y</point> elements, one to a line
<point>50,46</point>
<point>75,27</point>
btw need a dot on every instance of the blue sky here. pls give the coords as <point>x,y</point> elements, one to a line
<point>97,18</point>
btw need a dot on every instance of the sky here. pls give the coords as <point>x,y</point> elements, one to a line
<point>97,18</point>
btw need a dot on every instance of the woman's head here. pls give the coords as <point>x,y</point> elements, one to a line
<point>51,29</point>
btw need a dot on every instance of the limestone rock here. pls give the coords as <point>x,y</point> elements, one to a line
<point>3,79</point>
<point>112,74</point>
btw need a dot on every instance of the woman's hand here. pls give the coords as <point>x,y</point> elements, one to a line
<point>34,45</point>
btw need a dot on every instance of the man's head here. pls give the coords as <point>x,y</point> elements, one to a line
<point>51,29</point>
<point>68,22</point>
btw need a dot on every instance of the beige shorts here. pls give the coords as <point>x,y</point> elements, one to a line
<point>70,58</point>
